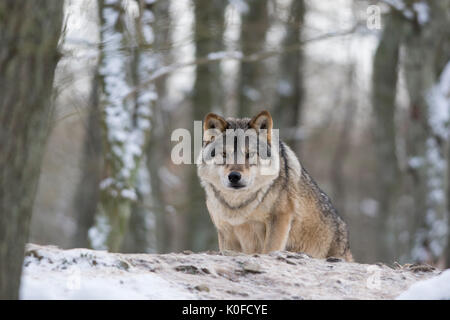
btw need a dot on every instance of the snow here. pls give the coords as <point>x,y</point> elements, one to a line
<point>437,288</point>
<point>439,101</point>
<point>72,275</point>
<point>369,207</point>
<point>416,162</point>
<point>423,12</point>
<point>131,8</point>
<point>221,55</point>
<point>110,287</point>
<point>98,234</point>
<point>284,88</point>
<point>53,273</point>
<point>240,5</point>
<point>126,138</point>
<point>251,93</point>
<point>106,183</point>
<point>129,194</point>
<point>419,9</point>
<point>217,55</point>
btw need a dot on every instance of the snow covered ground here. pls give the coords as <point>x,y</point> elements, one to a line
<point>53,273</point>
<point>436,288</point>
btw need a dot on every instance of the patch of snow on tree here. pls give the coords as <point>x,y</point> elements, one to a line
<point>240,5</point>
<point>422,11</point>
<point>439,101</point>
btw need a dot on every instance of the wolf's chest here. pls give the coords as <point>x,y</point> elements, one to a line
<point>225,210</point>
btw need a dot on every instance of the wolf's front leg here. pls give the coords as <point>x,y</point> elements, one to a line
<point>228,242</point>
<point>277,232</point>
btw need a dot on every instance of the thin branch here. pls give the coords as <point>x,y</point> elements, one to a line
<point>234,55</point>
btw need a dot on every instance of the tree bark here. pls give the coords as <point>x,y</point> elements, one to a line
<point>87,193</point>
<point>255,23</point>
<point>423,42</point>
<point>344,143</point>
<point>124,62</point>
<point>207,96</point>
<point>29,34</point>
<point>384,89</point>
<point>447,256</point>
<point>288,108</point>
<point>158,150</point>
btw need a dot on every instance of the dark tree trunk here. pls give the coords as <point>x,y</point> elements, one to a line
<point>343,145</point>
<point>158,150</point>
<point>208,33</point>
<point>137,238</point>
<point>207,96</point>
<point>384,84</point>
<point>87,194</point>
<point>288,108</point>
<point>29,34</point>
<point>255,24</point>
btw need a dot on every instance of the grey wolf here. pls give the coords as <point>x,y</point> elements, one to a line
<point>261,213</point>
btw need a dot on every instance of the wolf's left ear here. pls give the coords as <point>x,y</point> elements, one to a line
<point>263,121</point>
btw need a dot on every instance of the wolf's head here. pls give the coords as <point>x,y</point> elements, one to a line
<point>239,154</point>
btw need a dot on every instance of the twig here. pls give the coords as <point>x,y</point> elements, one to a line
<point>234,55</point>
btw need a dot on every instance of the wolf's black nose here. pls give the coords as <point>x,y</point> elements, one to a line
<point>234,176</point>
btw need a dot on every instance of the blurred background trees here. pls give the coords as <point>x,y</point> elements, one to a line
<point>359,89</point>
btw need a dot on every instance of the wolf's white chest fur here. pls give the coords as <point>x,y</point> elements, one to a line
<point>257,206</point>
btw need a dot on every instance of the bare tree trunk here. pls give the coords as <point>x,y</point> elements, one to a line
<point>157,151</point>
<point>207,96</point>
<point>423,43</point>
<point>255,23</point>
<point>288,108</point>
<point>29,34</point>
<point>140,236</point>
<point>209,28</point>
<point>343,144</point>
<point>125,121</point>
<point>87,194</point>
<point>447,256</point>
<point>384,89</point>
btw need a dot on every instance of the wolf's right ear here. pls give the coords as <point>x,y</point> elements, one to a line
<point>212,126</point>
